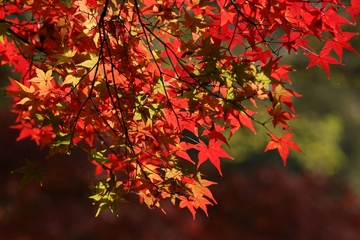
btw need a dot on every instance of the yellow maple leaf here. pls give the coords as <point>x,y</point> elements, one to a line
<point>26,89</point>
<point>43,79</point>
<point>71,79</point>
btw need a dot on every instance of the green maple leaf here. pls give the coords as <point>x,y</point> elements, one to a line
<point>30,172</point>
<point>4,31</point>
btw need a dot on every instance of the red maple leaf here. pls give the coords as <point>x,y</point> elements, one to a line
<point>92,3</point>
<point>280,117</point>
<point>354,9</point>
<point>26,130</point>
<point>226,16</point>
<point>238,119</point>
<point>258,54</point>
<point>283,145</point>
<point>213,152</point>
<point>215,132</point>
<point>332,19</point>
<point>295,40</point>
<point>323,60</point>
<point>246,120</point>
<point>339,42</point>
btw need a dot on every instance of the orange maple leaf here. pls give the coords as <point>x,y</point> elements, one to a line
<point>185,202</point>
<point>283,145</point>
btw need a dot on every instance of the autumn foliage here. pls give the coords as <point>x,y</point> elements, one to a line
<point>140,85</point>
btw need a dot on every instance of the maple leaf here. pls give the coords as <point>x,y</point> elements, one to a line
<point>184,155</point>
<point>30,171</point>
<point>4,31</point>
<point>185,202</point>
<point>201,201</point>
<point>284,95</point>
<point>323,60</point>
<point>64,57</point>
<point>200,187</point>
<point>227,16</point>
<point>332,19</point>
<point>213,152</point>
<point>258,54</point>
<point>92,3</point>
<point>354,9</point>
<point>295,40</point>
<point>43,81</point>
<point>283,145</point>
<point>246,120</point>
<point>30,89</point>
<point>27,130</point>
<point>199,197</point>
<point>280,117</point>
<point>71,79</point>
<point>339,42</point>
<point>238,119</point>
<point>280,72</point>
<point>215,132</point>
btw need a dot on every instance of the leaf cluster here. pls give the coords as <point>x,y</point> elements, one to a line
<point>142,82</point>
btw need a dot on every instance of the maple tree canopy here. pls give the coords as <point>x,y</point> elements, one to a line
<point>136,84</point>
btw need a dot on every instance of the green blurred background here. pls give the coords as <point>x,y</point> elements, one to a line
<point>315,197</point>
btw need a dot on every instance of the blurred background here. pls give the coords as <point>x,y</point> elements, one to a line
<point>315,197</point>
